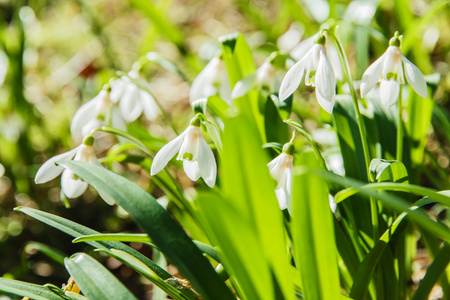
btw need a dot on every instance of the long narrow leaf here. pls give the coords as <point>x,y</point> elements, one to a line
<point>74,229</point>
<point>313,233</point>
<point>434,271</point>
<point>160,226</point>
<point>29,290</point>
<point>94,280</point>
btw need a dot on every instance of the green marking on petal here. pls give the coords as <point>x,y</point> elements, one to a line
<point>188,156</point>
<point>392,75</point>
<point>101,117</point>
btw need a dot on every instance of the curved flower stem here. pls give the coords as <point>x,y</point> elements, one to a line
<point>400,127</point>
<point>359,118</point>
<point>348,78</point>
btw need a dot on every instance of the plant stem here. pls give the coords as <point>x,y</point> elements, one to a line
<point>400,128</point>
<point>348,78</point>
<point>362,131</point>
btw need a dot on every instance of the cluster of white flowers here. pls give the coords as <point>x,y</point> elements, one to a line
<point>120,103</point>
<point>124,101</point>
<point>390,69</point>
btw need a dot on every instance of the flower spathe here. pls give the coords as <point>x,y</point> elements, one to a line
<point>391,69</point>
<point>71,185</point>
<point>281,169</point>
<point>318,72</point>
<point>198,159</point>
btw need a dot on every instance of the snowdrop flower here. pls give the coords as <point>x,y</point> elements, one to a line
<point>264,79</point>
<point>96,113</point>
<point>391,68</point>
<point>319,73</point>
<point>71,185</point>
<point>281,169</point>
<point>333,57</point>
<point>198,159</point>
<point>133,101</point>
<point>212,81</point>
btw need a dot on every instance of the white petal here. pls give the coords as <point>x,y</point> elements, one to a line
<point>225,88</point>
<point>277,169</point>
<point>415,78</point>
<point>325,84</point>
<point>49,170</point>
<point>243,86</point>
<point>129,105</point>
<point>393,64</point>
<point>191,169</point>
<point>372,75</point>
<point>288,189</point>
<point>207,164</point>
<point>117,88</point>
<point>151,109</point>
<point>201,87</point>
<point>389,90</point>
<point>117,120</point>
<point>86,154</point>
<point>301,49</point>
<point>333,204</point>
<point>282,198</point>
<point>89,126</point>
<point>292,79</point>
<point>166,153</point>
<point>72,187</point>
<point>265,75</point>
<point>84,115</point>
<point>273,163</point>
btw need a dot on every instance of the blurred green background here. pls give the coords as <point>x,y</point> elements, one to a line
<point>57,54</point>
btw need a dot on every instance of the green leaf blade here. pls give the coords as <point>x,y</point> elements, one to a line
<point>94,280</point>
<point>313,233</point>
<point>26,289</point>
<point>159,225</point>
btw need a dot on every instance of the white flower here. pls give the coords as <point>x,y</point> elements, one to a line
<point>133,101</point>
<point>94,114</point>
<point>198,159</point>
<point>391,68</point>
<point>281,169</point>
<point>319,73</point>
<point>71,185</point>
<point>212,81</point>
<point>264,78</point>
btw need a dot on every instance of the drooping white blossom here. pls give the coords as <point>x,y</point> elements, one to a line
<point>198,159</point>
<point>133,101</point>
<point>264,78</point>
<point>96,113</point>
<point>211,81</point>
<point>391,69</point>
<point>71,185</point>
<point>318,72</point>
<point>281,169</point>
